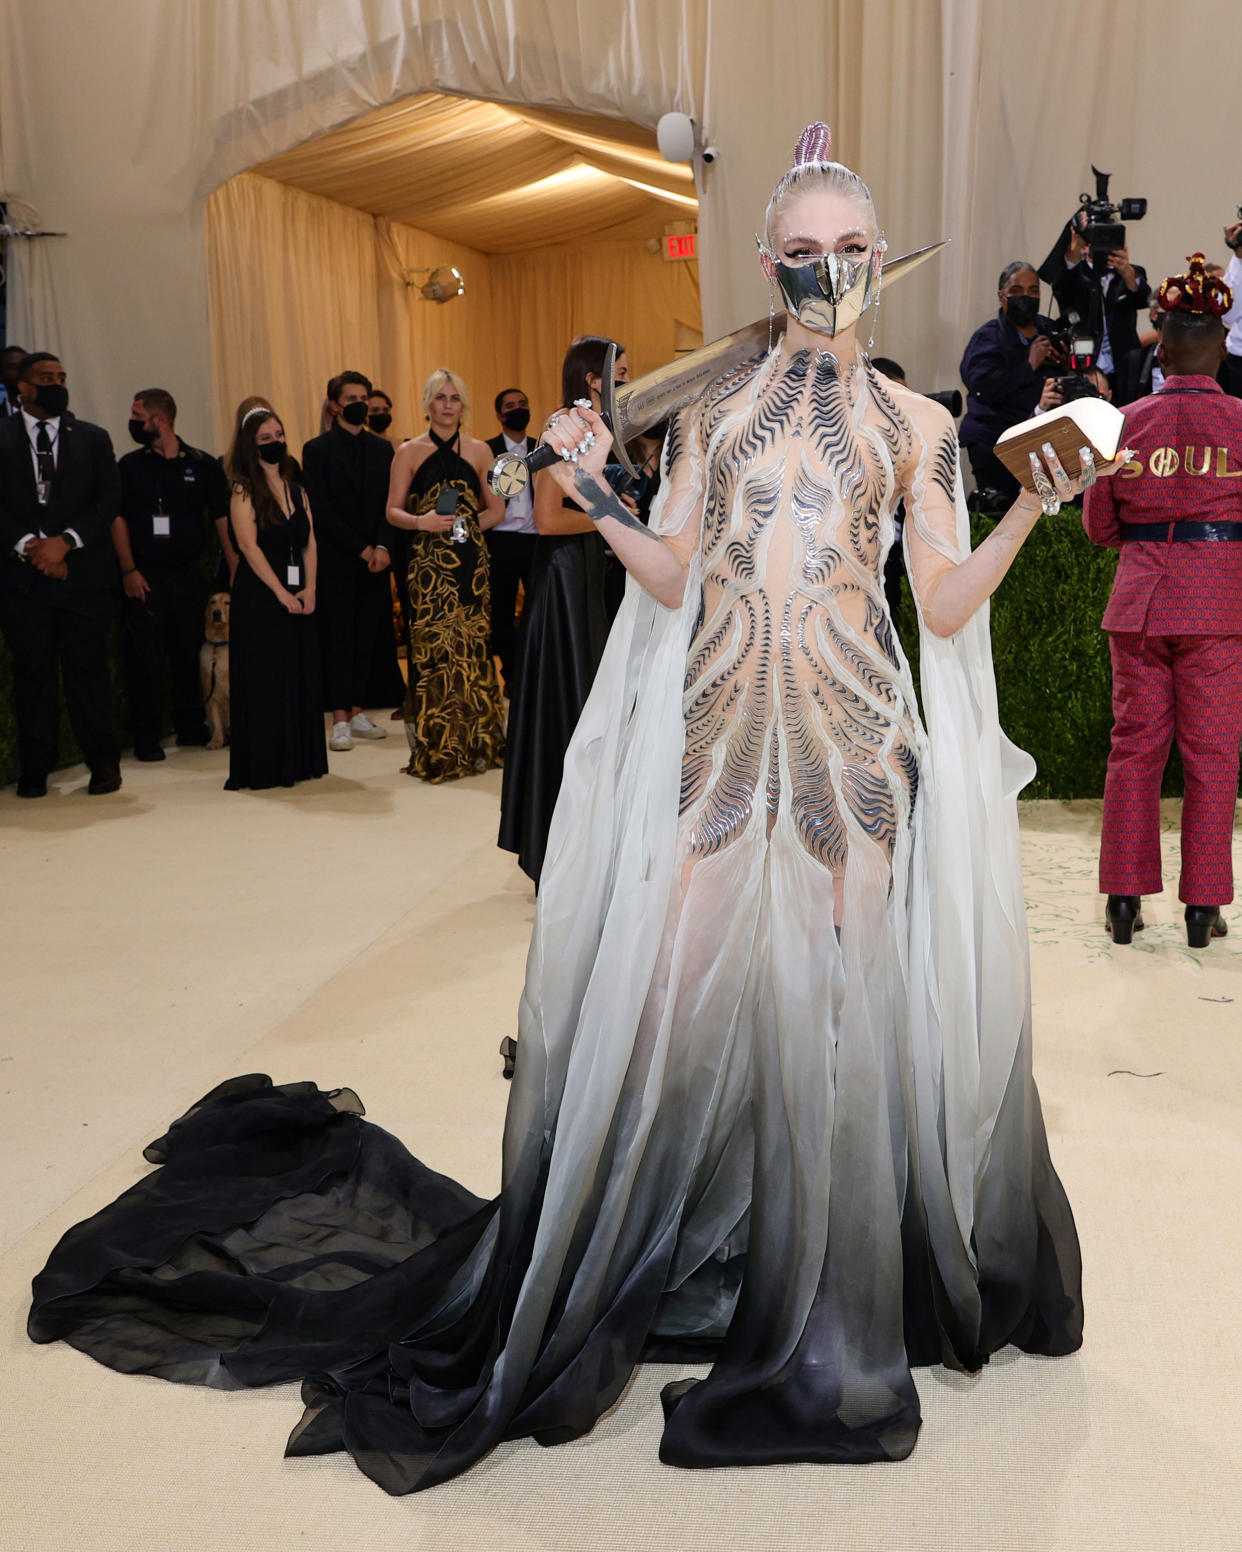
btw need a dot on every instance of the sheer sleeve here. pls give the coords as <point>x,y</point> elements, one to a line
<point>677,512</point>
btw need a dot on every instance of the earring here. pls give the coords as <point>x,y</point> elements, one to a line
<point>881,249</point>
<point>875,316</point>
<point>771,311</point>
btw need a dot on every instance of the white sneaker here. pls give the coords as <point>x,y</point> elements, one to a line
<point>361,726</point>
<point>340,736</point>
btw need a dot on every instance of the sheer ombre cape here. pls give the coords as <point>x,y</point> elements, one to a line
<point>733,1138</point>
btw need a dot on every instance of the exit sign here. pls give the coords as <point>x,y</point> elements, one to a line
<point>682,245</point>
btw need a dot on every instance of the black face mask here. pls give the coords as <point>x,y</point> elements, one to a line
<point>380,421</point>
<point>143,434</point>
<point>272,452</point>
<point>1022,310</point>
<point>52,397</point>
<point>515,420</point>
<point>355,414</point>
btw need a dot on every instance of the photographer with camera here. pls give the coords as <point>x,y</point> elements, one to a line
<point>1089,384</point>
<point>1004,368</point>
<point>1231,370</point>
<point>1094,284</point>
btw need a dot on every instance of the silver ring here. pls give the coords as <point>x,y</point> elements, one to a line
<point>1087,469</point>
<point>1044,488</point>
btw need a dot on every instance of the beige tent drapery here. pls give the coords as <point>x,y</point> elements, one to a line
<point>971,122</point>
<point>302,286</point>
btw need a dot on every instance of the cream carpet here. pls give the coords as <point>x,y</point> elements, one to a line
<point>365,930</point>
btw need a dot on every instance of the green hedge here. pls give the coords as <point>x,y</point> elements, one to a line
<point>1051,656</point>
<point>1053,680</point>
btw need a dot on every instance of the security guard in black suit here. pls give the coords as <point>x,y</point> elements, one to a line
<point>171,495</point>
<point>58,496</point>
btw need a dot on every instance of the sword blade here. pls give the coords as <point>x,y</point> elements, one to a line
<point>634,407</point>
<point>660,394</point>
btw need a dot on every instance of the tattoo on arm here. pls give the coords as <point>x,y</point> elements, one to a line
<point>599,501</point>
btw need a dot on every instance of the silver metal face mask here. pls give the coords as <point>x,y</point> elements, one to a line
<point>829,293</point>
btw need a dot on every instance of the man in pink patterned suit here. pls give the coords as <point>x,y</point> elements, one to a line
<point>1174,619</point>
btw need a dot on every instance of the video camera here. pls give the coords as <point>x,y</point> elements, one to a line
<point>1104,232</point>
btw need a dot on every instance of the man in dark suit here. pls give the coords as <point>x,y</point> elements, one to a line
<point>1106,292</point>
<point>511,543</point>
<point>58,496</point>
<point>346,471</point>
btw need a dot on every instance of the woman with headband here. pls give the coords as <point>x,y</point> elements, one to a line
<point>276,721</point>
<point>773,1107</point>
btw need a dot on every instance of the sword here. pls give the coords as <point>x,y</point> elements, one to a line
<point>628,409</point>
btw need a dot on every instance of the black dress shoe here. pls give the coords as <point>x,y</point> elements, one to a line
<point>1203,923</point>
<point>106,779</point>
<point>1123,917</point>
<point>31,786</point>
<point>149,753</point>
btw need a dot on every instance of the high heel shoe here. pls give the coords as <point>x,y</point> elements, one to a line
<point>1203,923</point>
<point>508,1052</point>
<point>1123,917</point>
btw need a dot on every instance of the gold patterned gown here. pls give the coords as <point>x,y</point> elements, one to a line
<point>453,710</point>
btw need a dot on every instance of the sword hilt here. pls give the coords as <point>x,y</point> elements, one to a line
<point>512,472</point>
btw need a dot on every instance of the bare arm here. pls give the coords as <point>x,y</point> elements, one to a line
<point>310,556</point>
<point>659,564</point>
<point>405,465</point>
<point>226,547</point>
<point>405,461</point>
<point>951,591</point>
<point>550,516</point>
<point>241,512</point>
<point>492,506</point>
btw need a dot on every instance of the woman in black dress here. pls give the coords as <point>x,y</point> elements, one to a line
<point>438,493</point>
<point>277,735</point>
<point>561,637</point>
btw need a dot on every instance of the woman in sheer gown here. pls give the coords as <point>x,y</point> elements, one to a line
<point>561,636</point>
<point>438,493</point>
<point>773,1108</point>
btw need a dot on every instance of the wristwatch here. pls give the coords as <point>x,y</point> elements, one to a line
<point>70,541</point>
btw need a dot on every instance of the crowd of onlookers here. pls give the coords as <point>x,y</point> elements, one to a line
<point>280,600</point>
<point>377,571</point>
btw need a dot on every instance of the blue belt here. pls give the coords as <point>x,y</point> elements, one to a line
<point>1184,532</point>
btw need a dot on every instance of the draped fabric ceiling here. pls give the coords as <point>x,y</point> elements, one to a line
<point>970,120</point>
<point>495,178</point>
<point>550,217</point>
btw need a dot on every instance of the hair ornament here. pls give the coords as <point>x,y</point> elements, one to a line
<point>1196,291</point>
<point>814,145</point>
<point>259,409</point>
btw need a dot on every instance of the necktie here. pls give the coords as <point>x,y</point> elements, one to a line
<point>47,463</point>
